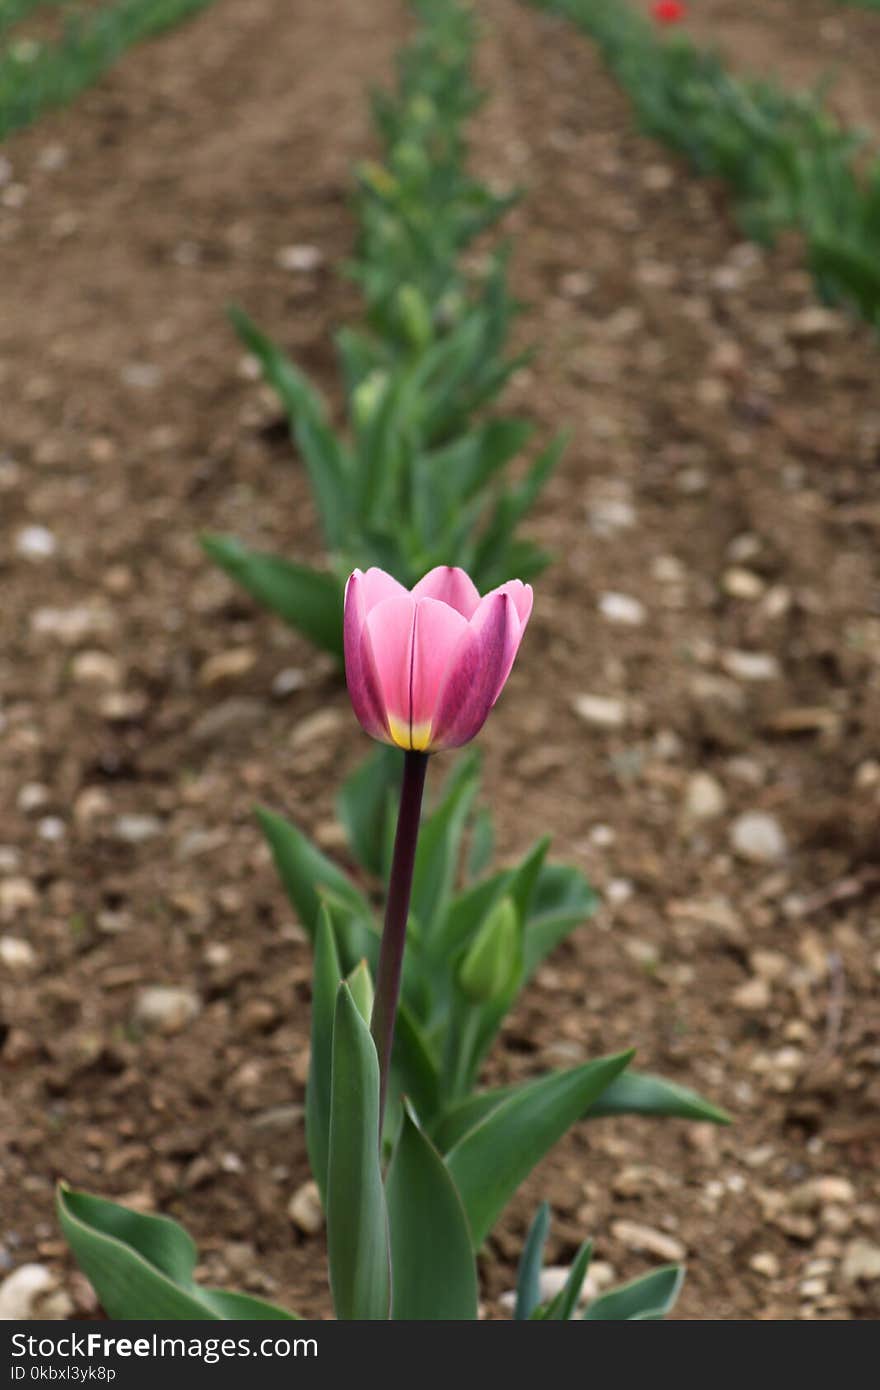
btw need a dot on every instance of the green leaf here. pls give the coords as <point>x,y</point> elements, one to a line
<point>528,1279</point>
<point>326,978</point>
<point>435,1276</point>
<point>305,872</point>
<point>363,801</point>
<point>562,900</point>
<point>490,1161</point>
<point>357,1224</point>
<point>242,1306</point>
<point>142,1266</point>
<point>649,1297</point>
<point>563,1306</point>
<point>307,599</point>
<point>482,843</point>
<point>637,1093</point>
<point>322,452</point>
<point>414,1070</point>
<point>631,1093</point>
<point>439,844</point>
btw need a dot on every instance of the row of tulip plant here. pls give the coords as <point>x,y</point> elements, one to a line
<point>790,163</point>
<point>37,75</point>
<point>414,1158</point>
<point>418,474</point>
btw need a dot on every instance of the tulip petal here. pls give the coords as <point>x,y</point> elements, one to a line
<point>378,586</point>
<point>452,586</point>
<point>389,628</point>
<point>437,633</point>
<point>474,677</point>
<point>360,668</point>
<point>522,598</point>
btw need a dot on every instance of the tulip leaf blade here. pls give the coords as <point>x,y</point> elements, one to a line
<point>435,1276</point>
<point>326,977</point>
<point>640,1093</point>
<point>630,1093</point>
<point>650,1297</point>
<point>528,1278</point>
<point>306,873</point>
<point>414,1069</point>
<point>322,452</point>
<point>363,802</point>
<point>560,901</point>
<point>562,1307</point>
<point>142,1265</point>
<point>490,1161</point>
<point>357,1225</point>
<point>307,599</point>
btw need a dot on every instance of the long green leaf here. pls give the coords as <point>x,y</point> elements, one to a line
<point>357,1222</point>
<point>562,1307</point>
<point>322,453</point>
<point>631,1093</point>
<point>307,599</point>
<point>639,1093</point>
<point>562,900</point>
<point>326,978</point>
<point>490,1161</point>
<point>362,804</point>
<point>528,1279</point>
<point>649,1297</point>
<point>142,1266</point>
<point>305,872</point>
<point>434,1273</point>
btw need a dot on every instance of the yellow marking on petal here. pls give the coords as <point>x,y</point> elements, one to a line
<point>419,737</point>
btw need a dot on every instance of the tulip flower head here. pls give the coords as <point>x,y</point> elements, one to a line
<point>668,11</point>
<point>425,666</point>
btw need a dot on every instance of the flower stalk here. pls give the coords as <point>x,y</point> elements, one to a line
<point>388,974</point>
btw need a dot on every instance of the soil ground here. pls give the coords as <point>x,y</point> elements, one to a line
<point>723,473</point>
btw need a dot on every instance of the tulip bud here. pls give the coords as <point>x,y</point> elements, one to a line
<point>493,961</point>
<point>422,110</point>
<point>366,397</point>
<point>415,315</point>
<point>410,161</point>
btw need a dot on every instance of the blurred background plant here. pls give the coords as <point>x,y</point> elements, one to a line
<point>417,478</point>
<point>36,75</point>
<point>789,161</point>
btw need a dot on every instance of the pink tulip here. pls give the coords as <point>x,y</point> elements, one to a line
<point>424,667</point>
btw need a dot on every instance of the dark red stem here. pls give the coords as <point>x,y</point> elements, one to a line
<point>391,951</point>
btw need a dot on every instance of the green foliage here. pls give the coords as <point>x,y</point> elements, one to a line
<point>473,943</point>
<point>142,1266</point>
<point>36,76</point>
<point>357,1221</point>
<point>649,1297</point>
<point>418,473</point>
<point>491,1160</point>
<point>788,160</point>
<point>435,1275</point>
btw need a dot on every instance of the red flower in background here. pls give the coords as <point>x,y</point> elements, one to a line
<point>668,11</point>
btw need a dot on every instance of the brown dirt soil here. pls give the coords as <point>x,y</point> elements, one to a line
<point>736,434</point>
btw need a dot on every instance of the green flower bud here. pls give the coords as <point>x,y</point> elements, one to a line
<point>494,959</point>
<point>410,161</point>
<point>422,110</point>
<point>415,316</point>
<point>366,398</point>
